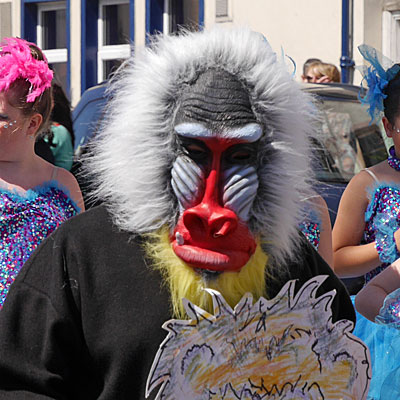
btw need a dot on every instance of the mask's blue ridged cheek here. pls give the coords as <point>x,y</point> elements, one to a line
<point>187,181</point>
<point>240,189</point>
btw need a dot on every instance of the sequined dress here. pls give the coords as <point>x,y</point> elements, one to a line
<point>25,220</point>
<point>385,350</point>
<point>311,227</point>
<point>383,212</point>
<point>383,340</point>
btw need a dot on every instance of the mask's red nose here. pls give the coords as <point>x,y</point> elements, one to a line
<point>209,218</point>
<point>214,223</point>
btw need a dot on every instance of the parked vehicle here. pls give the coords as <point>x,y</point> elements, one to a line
<point>87,114</point>
<point>348,142</point>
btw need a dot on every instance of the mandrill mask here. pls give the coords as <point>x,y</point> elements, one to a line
<point>205,152</point>
<point>214,176</point>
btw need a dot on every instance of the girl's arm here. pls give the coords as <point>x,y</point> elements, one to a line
<point>370,299</point>
<point>350,259</point>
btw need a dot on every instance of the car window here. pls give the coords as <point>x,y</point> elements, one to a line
<point>347,142</point>
<point>87,121</point>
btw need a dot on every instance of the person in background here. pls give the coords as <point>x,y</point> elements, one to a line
<point>306,66</point>
<point>379,301</point>
<point>366,235</point>
<point>35,196</point>
<point>320,72</point>
<point>316,227</point>
<point>61,135</point>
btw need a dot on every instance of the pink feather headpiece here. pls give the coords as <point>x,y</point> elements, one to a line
<point>16,61</point>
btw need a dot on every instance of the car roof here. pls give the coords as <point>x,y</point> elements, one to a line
<point>93,93</point>
<point>333,90</point>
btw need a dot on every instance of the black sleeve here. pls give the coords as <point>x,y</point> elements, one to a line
<point>41,338</point>
<point>307,265</point>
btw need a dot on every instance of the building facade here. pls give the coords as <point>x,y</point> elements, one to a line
<point>86,40</point>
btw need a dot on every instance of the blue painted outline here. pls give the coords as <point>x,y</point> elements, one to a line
<point>201,14</point>
<point>89,43</point>
<point>148,18</point>
<point>132,20</point>
<point>83,47</point>
<point>68,33</point>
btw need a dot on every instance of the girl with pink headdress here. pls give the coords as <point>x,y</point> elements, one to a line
<point>35,196</point>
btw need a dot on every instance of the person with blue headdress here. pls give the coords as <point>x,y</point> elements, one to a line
<point>366,235</point>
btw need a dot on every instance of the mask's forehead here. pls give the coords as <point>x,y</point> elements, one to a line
<point>218,100</point>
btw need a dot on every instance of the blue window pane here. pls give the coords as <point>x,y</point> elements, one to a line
<point>60,74</point>
<point>110,66</point>
<point>184,14</point>
<point>54,30</point>
<point>116,24</point>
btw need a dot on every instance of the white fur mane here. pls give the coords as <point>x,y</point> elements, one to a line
<point>134,150</point>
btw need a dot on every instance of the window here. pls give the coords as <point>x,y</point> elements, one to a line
<point>348,142</point>
<point>223,10</point>
<point>113,36</point>
<point>391,35</point>
<point>52,38</point>
<point>182,14</point>
<point>169,16</point>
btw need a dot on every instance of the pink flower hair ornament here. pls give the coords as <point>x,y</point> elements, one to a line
<point>17,62</point>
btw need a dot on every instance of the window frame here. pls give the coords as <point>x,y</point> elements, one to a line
<point>165,17</point>
<point>391,34</point>
<point>224,18</point>
<point>53,56</point>
<point>108,52</point>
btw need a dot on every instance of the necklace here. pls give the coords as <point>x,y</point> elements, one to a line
<point>392,160</point>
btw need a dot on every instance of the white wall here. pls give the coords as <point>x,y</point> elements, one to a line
<point>307,28</point>
<point>15,16</point>
<point>140,22</point>
<point>303,28</point>
<point>75,51</point>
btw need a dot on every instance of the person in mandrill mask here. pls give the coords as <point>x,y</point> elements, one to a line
<point>202,164</point>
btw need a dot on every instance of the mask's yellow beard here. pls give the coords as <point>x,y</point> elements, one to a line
<point>184,281</point>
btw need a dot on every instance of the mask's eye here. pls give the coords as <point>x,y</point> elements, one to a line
<point>241,154</point>
<point>195,149</point>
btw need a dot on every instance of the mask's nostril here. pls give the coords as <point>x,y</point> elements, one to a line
<point>222,230</point>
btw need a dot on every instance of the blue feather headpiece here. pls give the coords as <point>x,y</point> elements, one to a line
<point>377,78</point>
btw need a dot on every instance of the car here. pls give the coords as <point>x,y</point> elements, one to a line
<point>87,115</point>
<point>346,142</point>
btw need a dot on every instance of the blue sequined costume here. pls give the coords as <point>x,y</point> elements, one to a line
<point>383,341</point>
<point>384,209</point>
<point>311,227</point>
<point>25,220</point>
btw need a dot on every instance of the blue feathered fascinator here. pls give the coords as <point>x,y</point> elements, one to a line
<point>377,77</point>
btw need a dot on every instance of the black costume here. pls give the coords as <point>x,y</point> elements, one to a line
<point>101,310</point>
